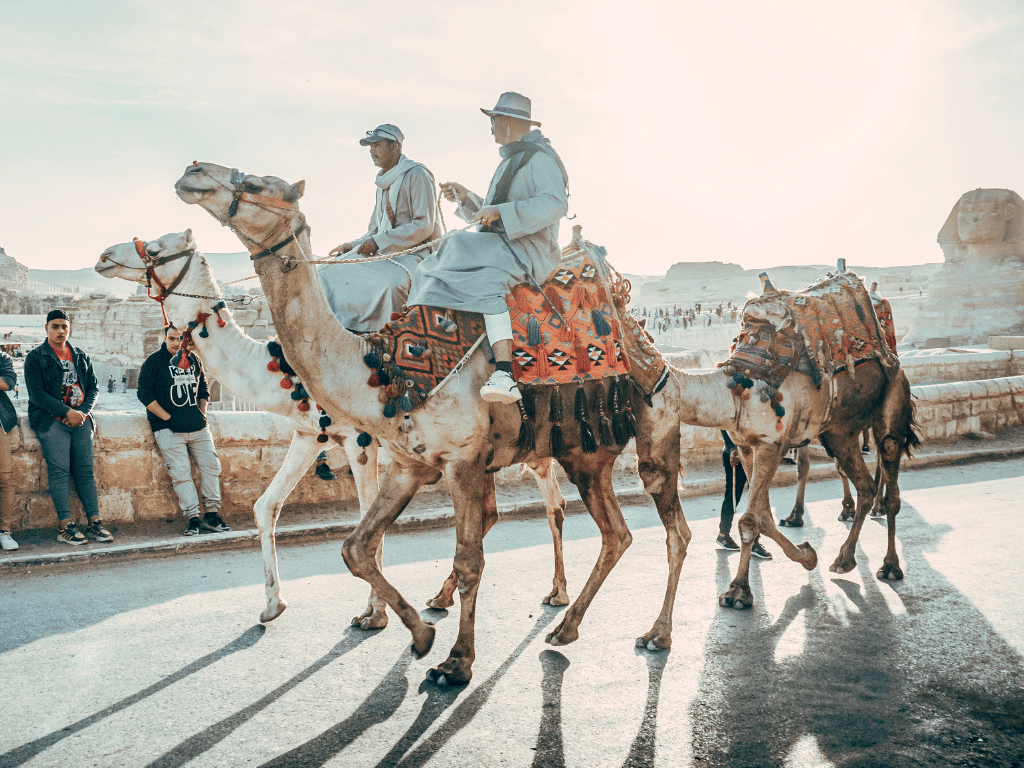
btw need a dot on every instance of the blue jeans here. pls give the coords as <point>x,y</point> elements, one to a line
<point>68,453</point>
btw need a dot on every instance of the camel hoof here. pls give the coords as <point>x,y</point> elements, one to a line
<point>843,565</point>
<point>440,604</point>
<point>737,597</point>
<point>652,641</point>
<point>810,557</point>
<point>422,640</point>
<point>557,596</point>
<point>876,513</point>
<point>846,517</point>
<point>890,572</point>
<point>269,614</point>
<point>372,621</point>
<point>562,637</point>
<point>792,522</point>
<point>451,673</point>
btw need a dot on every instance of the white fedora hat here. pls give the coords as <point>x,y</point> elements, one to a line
<point>512,104</point>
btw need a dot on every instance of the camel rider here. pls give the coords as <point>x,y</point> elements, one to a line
<point>517,241</point>
<point>363,296</point>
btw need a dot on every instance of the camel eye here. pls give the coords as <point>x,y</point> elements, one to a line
<point>252,186</point>
<point>152,253</point>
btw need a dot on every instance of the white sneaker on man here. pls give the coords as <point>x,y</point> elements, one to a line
<point>7,541</point>
<point>500,388</point>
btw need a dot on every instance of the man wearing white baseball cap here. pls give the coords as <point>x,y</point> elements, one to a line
<point>517,241</point>
<point>363,296</point>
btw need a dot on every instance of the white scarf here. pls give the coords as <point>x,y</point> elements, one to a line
<point>389,183</point>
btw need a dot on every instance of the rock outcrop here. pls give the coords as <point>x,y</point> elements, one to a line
<point>13,274</point>
<point>979,291</point>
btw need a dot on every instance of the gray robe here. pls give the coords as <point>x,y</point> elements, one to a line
<point>474,271</point>
<point>363,296</point>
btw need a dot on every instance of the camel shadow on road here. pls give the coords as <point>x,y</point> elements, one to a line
<point>936,685</point>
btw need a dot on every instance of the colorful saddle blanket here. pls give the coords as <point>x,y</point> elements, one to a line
<point>832,321</point>
<point>413,353</point>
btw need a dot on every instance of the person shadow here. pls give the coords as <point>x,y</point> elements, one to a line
<point>871,686</point>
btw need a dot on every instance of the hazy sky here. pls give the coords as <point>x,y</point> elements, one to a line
<point>759,133</point>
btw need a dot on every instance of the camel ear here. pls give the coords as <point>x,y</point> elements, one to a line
<point>190,241</point>
<point>294,191</point>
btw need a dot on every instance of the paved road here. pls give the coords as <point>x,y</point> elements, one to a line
<point>162,662</point>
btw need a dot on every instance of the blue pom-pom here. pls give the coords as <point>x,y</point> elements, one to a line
<point>204,334</point>
<point>747,383</point>
<point>533,332</point>
<point>176,359</point>
<point>780,411</point>
<point>300,391</point>
<point>764,397</point>
<point>372,359</point>
<point>192,325</point>
<point>737,377</point>
<point>405,402</point>
<point>274,349</point>
<point>325,422</point>
<point>364,439</point>
<point>390,410</point>
<point>296,395</point>
<point>731,383</point>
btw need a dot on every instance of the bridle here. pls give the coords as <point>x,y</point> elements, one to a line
<point>266,202</point>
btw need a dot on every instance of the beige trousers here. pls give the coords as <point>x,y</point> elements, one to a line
<point>7,521</point>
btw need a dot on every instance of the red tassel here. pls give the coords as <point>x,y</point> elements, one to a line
<point>322,437</point>
<point>576,299</point>
<point>286,383</point>
<point>555,297</point>
<point>609,351</point>
<point>221,322</point>
<point>541,353</point>
<point>304,406</point>
<point>274,367</point>
<point>396,315</point>
<point>202,317</point>
<point>582,357</point>
<point>374,380</point>
<point>517,370</point>
<point>602,296</point>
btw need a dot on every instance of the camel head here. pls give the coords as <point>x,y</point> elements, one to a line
<point>130,261</point>
<point>261,209</point>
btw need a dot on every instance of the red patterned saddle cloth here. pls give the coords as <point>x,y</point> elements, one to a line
<point>581,341</point>
<point>832,321</point>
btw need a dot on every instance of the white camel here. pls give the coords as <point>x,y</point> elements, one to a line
<point>239,363</point>
<point>455,432</point>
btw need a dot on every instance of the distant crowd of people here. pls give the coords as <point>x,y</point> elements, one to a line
<point>661,319</point>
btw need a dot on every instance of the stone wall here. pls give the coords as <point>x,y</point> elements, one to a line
<point>946,366</point>
<point>133,483</point>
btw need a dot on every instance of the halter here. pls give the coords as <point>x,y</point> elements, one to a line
<point>263,201</point>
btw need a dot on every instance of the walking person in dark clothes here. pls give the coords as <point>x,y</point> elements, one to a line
<point>735,480</point>
<point>62,390</point>
<point>173,388</point>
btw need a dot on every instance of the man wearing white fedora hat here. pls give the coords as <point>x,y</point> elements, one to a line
<point>363,296</point>
<point>517,241</point>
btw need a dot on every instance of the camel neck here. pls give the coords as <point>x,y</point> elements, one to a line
<point>703,399</point>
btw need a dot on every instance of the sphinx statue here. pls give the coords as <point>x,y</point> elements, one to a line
<point>979,292</point>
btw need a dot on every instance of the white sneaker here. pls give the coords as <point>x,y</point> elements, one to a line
<point>7,541</point>
<point>500,388</point>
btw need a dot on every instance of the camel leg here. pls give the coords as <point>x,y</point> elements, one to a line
<point>360,549</point>
<point>659,470</point>
<point>758,519</point>
<point>849,505</point>
<point>803,469</point>
<point>375,615</point>
<point>301,452</point>
<point>592,474</point>
<point>467,481</point>
<point>544,473</point>
<point>847,450</point>
<point>446,597</point>
<point>881,486</point>
<point>894,436</point>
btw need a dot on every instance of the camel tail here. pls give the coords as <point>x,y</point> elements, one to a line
<point>912,436</point>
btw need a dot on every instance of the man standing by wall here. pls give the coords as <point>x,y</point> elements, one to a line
<point>62,389</point>
<point>173,389</point>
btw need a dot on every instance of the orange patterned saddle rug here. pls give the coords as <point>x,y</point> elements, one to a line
<point>569,333</point>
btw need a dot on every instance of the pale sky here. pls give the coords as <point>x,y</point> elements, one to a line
<point>788,132</point>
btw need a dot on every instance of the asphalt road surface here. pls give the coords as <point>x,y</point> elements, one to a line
<point>162,662</point>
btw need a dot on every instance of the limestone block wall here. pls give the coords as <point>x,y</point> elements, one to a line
<point>946,366</point>
<point>132,480</point>
<point>948,410</point>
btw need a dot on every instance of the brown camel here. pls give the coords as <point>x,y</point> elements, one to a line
<point>455,433</point>
<point>869,399</point>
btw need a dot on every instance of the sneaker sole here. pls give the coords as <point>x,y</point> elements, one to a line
<point>761,557</point>
<point>506,398</point>
<point>215,530</point>
<point>72,543</point>
<point>99,538</point>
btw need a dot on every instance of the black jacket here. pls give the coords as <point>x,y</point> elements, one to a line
<point>44,378</point>
<point>8,416</point>
<point>177,391</point>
